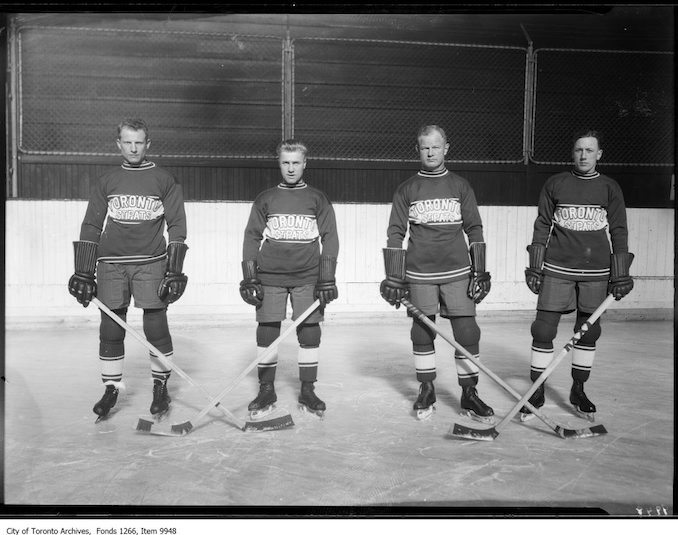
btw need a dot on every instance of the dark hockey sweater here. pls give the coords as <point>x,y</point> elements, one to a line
<point>575,215</point>
<point>285,231</point>
<point>135,203</point>
<point>440,208</point>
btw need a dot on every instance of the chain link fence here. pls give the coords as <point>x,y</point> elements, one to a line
<point>628,96</point>
<point>214,95</point>
<point>203,95</point>
<point>365,100</point>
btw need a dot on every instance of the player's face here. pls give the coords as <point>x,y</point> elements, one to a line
<point>292,165</point>
<point>133,145</point>
<point>586,154</point>
<point>432,150</point>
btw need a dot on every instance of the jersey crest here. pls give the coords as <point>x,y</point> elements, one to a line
<point>291,228</point>
<point>580,217</point>
<point>133,209</point>
<point>435,212</point>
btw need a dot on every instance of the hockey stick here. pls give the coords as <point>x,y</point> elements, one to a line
<point>145,425</point>
<point>185,427</point>
<point>563,432</point>
<point>493,432</point>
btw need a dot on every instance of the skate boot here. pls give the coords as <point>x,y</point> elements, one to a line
<point>537,400</point>
<point>423,406</point>
<point>309,402</point>
<point>161,399</point>
<point>264,403</point>
<point>581,403</point>
<point>473,407</point>
<point>108,400</point>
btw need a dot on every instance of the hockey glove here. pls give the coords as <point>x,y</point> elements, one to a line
<point>480,283</point>
<point>173,285</point>
<point>621,282</point>
<point>394,287</point>
<point>251,289</point>
<point>534,275</point>
<point>81,285</point>
<point>326,288</point>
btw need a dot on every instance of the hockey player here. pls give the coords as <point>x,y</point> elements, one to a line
<point>129,257</point>
<point>290,250</point>
<point>439,208</point>
<point>571,266</point>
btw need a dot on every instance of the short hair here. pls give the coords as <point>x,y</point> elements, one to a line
<point>429,129</point>
<point>291,145</point>
<point>133,123</point>
<point>588,133</point>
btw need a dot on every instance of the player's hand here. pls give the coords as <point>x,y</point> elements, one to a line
<point>479,286</point>
<point>533,279</point>
<point>393,291</point>
<point>252,292</point>
<point>326,292</point>
<point>83,288</point>
<point>620,288</point>
<point>172,287</point>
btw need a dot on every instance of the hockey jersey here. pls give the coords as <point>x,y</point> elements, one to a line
<point>134,203</point>
<point>575,215</point>
<point>287,228</point>
<point>441,211</point>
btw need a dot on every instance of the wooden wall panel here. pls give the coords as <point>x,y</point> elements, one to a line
<point>39,258</point>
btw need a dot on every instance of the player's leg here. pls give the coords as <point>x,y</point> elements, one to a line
<point>269,315</point>
<point>146,279</point>
<point>461,311</point>
<point>425,297</point>
<point>308,336</point>
<point>556,297</point>
<point>113,291</point>
<point>590,295</point>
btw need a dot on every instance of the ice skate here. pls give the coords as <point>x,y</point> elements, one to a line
<point>264,403</point>
<point>473,407</point>
<point>160,405</point>
<point>581,403</point>
<point>309,402</point>
<point>103,407</point>
<point>537,400</point>
<point>424,405</point>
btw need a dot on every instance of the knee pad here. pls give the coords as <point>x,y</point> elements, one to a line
<point>422,337</point>
<point>545,328</point>
<point>111,335</point>
<point>308,335</point>
<point>267,333</point>
<point>156,329</point>
<point>466,330</point>
<point>591,336</point>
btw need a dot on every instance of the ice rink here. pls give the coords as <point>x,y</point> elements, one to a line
<point>369,451</point>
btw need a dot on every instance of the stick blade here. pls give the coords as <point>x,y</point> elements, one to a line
<point>182,428</point>
<point>471,433</point>
<point>271,424</point>
<point>144,425</point>
<point>586,432</point>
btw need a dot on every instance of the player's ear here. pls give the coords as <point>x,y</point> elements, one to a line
<point>447,147</point>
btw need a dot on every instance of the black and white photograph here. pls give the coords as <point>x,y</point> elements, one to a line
<point>341,264</point>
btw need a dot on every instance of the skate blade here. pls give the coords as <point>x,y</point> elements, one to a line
<point>424,414</point>
<point>106,417</point>
<point>307,410</point>
<point>590,416</point>
<point>482,419</point>
<point>159,417</point>
<point>260,414</point>
<point>526,417</point>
